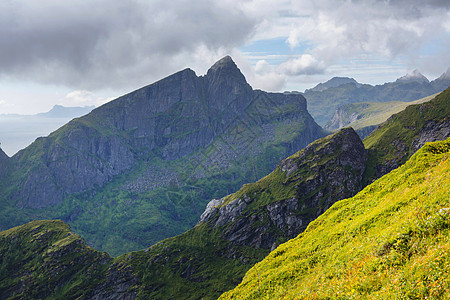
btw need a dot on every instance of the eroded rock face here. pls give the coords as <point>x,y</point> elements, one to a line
<point>326,171</point>
<point>431,132</point>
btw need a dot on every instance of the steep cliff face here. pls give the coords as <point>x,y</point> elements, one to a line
<point>345,115</point>
<point>281,205</point>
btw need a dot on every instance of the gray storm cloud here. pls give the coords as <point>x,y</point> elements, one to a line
<point>124,44</point>
<point>91,44</point>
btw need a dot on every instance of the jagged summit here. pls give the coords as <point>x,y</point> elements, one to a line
<point>224,62</point>
<point>225,67</point>
<point>413,76</point>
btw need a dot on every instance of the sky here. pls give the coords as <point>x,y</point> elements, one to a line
<point>78,53</point>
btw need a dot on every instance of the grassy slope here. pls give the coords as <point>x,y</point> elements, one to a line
<point>391,143</point>
<point>390,241</point>
<point>43,257</point>
<point>374,113</point>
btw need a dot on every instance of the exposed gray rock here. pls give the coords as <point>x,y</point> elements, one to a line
<point>332,169</point>
<point>431,132</point>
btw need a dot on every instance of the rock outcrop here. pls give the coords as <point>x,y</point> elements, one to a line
<point>345,115</point>
<point>313,179</point>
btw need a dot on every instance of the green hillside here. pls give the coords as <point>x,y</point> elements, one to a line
<point>394,141</point>
<point>390,241</point>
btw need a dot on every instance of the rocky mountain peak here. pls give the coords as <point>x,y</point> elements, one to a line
<point>227,88</point>
<point>413,76</point>
<point>225,68</point>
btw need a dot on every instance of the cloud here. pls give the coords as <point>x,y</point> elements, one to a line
<point>387,28</point>
<point>306,64</point>
<point>83,97</point>
<point>104,43</point>
<point>122,45</point>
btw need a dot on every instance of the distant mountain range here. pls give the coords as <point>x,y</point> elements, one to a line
<point>326,97</point>
<point>18,131</point>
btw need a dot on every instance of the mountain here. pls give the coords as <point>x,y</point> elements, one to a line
<point>44,258</point>
<point>413,86</point>
<point>443,81</point>
<point>141,168</point>
<point>19,131</point>
<point>234,233</point>
<point>390,241</point>
<point>301,188</point>
<point>394,141</point>
<point>413,76</point>
<point>59,111</point>
<point>364,117</point>
<point>333,82</point>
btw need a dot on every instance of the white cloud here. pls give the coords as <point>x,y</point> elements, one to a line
<point>306,64</point>
<point>83,98</point>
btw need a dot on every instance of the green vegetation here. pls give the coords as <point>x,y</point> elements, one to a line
<point>370,114</point>
<point>45,257</point>
<point>393,142</point>
<point>390,241</point>
<point>197,264</point>
<point>278,186</point>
